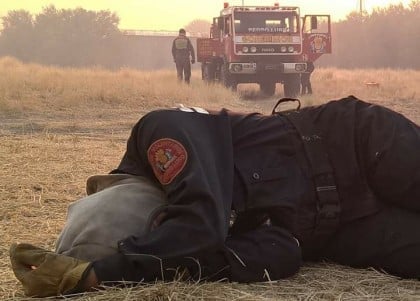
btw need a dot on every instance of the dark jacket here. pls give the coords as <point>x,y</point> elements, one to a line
<point>255,168</point>
<point>182,49</point>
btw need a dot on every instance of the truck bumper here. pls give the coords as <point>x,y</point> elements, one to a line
<point>254,68</point>
<point>294,67</point>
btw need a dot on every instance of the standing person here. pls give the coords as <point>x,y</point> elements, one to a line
<point>305,78</point>
<point>337,182</point>
<point>182,50</point>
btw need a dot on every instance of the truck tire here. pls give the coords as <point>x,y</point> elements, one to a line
<point>208,72</point>
<point>291,85</point>
<point>268,88</point>
<point>226,78</point>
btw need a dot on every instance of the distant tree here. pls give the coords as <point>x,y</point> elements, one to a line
<point>75,36</point>
<point>198,27</point>
<point>415,6</point>
<point>17,34</point>
<point>67,37</point>
<point>387,38</point>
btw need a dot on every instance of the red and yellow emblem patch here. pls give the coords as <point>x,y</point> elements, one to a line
<point>167,158</point>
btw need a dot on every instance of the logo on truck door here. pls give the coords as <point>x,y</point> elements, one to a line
<point>318,43</point>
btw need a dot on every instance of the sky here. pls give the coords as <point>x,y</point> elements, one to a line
<point>174,14</point>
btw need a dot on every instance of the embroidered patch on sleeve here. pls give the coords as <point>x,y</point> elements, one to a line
<point>167,158</point>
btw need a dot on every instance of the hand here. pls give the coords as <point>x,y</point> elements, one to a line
<point>192,61</point>
<point>44,273</point>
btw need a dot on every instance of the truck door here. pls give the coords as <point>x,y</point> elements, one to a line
<point>228,38</point>
<point>316,33</point>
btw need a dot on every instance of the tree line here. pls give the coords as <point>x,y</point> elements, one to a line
<point>386,38</point>
<point>66,37</point>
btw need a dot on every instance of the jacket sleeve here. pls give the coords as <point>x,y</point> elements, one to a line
<point>191,49</point>
<point>264,254</point>
<point>199,194</point>
<point>173,49</point>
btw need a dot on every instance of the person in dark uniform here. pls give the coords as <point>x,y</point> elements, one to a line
<point>252,196</point>
<point>305,78</point>
<point>182,50</point>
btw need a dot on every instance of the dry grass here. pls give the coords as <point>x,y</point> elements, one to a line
<point>58,126</point>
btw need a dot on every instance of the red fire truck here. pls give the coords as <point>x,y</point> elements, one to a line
<point>264,45</point>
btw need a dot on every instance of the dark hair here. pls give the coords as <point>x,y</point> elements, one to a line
<point>182,30</point>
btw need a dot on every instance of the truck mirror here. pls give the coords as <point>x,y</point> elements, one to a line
<point>314,22</point>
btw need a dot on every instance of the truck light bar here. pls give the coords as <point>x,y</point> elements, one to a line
<point>264,8</point>
<point>275,6</point>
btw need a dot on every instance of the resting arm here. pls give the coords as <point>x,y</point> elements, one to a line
<point>198,189</point>
<point>264,254</point>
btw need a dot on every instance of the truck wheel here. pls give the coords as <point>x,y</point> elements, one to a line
<point>291,85</point>
<point>208,72</point>
<point>226,78</point>
<point>268,88</point>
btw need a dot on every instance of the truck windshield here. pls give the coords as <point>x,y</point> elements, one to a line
<point>265,22</point>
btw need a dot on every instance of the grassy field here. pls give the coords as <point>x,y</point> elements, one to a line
<point>59,126</point>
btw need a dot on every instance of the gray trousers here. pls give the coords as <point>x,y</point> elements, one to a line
<point>183,69</point>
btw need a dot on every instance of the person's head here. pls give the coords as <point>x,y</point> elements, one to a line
<point>182,32</point>
<point>117,206</point>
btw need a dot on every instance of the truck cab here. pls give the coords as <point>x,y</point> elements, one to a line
<point>262,44</point>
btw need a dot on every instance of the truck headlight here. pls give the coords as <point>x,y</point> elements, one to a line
<point>283,49</point>
<point>253,49</point>
<point>300,67</point>
<point>291,49</point>
<point>237,67</point>
<point>245,49</point>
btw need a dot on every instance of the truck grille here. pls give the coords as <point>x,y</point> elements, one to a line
<point>249,49</point>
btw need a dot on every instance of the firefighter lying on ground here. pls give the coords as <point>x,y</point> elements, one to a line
<point>339,182</point>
